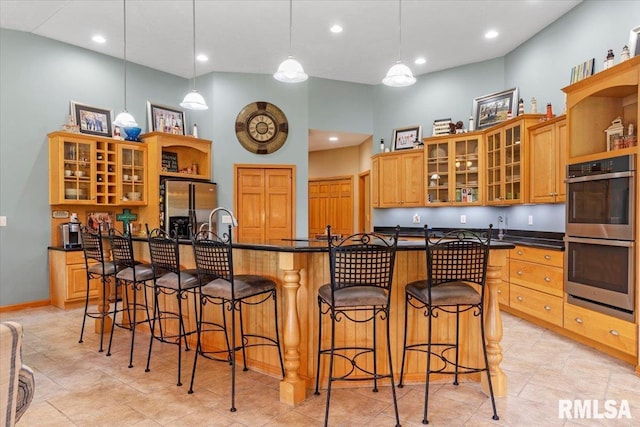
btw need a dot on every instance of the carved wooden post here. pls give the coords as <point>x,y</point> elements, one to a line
<point>493,326</point>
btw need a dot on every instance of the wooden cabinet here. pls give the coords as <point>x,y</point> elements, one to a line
<point>547,160</point>
<point>453,166</point>
<point>375,182</point>
<point>604,330</point>
<point>593,103</point>
<point>506,168</point>
<point>68,279</point>
<point>536,283</point>
<point>132,174</point>
<point>400,179</point>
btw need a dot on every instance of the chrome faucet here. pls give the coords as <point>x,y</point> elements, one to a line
<point>234,221</point>
<point>501,221</point>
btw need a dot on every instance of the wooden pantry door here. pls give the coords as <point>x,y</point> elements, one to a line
<point>265,203</point>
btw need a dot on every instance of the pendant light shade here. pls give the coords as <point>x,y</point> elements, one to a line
<point>399,75</point>
<point>124,119</point>
<point>193,100</point>
<point>290,70</point>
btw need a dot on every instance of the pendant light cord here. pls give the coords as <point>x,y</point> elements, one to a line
<point>290,24</point>
<point>400,31</point>
<point>194,43</point>
<point>124,21</point>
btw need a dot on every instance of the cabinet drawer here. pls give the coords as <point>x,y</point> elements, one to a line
<point>503,293</point>
<point>537,304</point>
<point>75,257</point>
<point>607,330</point>
<point>539,255</point>
<point>540,277</point>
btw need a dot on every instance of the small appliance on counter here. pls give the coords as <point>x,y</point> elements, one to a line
<point>71,233</point>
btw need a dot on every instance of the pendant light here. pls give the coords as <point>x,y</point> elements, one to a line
<point>124,119</point>
<point>290,70</point>
<point>399,75</point>
<point>193,100</point>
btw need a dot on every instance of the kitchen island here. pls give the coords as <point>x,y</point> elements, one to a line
<point>300,267</point>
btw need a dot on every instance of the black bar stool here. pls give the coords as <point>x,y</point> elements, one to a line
<point>98,266</point>
<point>220,286</point>
<point>170,280</point>
<point>456,260</point>
<point>134,275</point>
<point>361,267</point>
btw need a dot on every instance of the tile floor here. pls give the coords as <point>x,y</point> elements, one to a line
<point>77,386</point>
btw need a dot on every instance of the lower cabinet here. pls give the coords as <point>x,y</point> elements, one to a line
<point>537,304</point>
<point>68,279</point>
<point>606,330</point>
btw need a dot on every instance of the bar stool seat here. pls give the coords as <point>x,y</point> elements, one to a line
<point>186,279</point>
<point>245,285</point>
<point>355,295</point>
<point>446,294</point>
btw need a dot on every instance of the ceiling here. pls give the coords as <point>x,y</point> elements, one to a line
<point>252,36</point>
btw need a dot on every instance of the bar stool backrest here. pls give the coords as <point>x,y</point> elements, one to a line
<point>121,249</point>
<point>362,259</point>
<point>213,255</point>
<point>92,246</point>
<point>164,252</point>
<point>457,255</point>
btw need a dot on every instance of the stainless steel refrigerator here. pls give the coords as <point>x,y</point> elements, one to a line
<point>187,205</point>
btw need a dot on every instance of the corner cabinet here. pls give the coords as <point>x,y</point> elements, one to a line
<point>400,179</point>
<point>453,165</point>
<point>593,103</point>
<point>547,160</point>
<point>506,169</point>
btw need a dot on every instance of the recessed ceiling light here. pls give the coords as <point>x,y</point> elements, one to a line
<point>202,57</point>
<point>99,39</point>
<point>336,29</point>
<point>333,138</point>
<point>491,34</point>
<point>420,60</point>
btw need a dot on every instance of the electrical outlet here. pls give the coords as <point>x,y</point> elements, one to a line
<point>530,219</point>
<point>416,219</point>
<point>3,221</point>
<point>463,219</point>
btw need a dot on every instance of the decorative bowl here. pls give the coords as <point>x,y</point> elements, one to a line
<point>132,133</point>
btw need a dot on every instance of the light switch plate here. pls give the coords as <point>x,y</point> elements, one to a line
<point>3,221</point>
<point>226,219</point>
<point>463,219</point>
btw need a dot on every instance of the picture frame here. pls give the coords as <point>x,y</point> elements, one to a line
<point>163,118</point>
<point>92,120</point>
<point>494,108</point>
<point>582,71</point>
<point>634,42</point>
<point>403,138</point>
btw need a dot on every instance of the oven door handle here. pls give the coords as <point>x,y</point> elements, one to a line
<point>603,242</point>
<point>625,174</point>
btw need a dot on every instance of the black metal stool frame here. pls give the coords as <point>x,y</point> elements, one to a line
<point>103,270</point>
<point>165,261</point>
<point>364,261</point>
<point>444,267</point>
<point>132,274</point>
<point>213,255</point>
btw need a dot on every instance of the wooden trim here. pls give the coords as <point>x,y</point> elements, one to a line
<point>25,305</point>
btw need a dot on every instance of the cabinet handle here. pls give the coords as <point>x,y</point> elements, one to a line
<point>579,320</point>
<point>614,333</point>
<point>519,252</point>
<point>519,298</point>
<point>547,279</point>
<point>519,273</point>
<point>499,291</point>
<point>547,257</point>
<point>547,307</point>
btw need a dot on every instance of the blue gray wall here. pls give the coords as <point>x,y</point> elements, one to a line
<point>38,78</point>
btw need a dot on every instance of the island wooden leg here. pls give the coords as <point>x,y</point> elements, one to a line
<point>292,387</point>
<point>493,334</point>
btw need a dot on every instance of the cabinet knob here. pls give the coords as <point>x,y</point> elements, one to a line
<point>579,320</point>
<point>547,279</point>
<point>547,307</point>
<point>614,333</point>
<point>547,257</point>
<point>499,291</point>
<point>519,298</point>
<point>519,252</point>
<point>519,273</point>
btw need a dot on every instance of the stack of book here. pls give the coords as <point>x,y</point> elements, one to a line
<point>441,127</point>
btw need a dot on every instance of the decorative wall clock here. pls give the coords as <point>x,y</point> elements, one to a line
<point>262,127</point>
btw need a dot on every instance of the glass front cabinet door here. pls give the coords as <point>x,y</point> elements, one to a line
<point>132,188</point>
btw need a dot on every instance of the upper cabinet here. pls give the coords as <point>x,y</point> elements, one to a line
<point>453,165</point>
<point>178,156</point>
<point>400,179</point>
<point>593,103</point>
<point>547,160</point>
<point>132,174</point>
<point>506,169</point>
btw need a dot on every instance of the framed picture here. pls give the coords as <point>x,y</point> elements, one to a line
<point>165,119</point>
<point>583,70</point>
<point>634,42</point>
<point>92,120</point>
<point>100,220</point>
<point>169,161</point>
<point>403,138</point>
<point>494,108</point>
